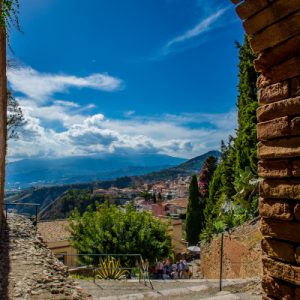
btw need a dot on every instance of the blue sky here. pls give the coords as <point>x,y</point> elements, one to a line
<point>101,76</point>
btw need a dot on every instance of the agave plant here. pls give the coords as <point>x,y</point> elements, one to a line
<point>110,268</point>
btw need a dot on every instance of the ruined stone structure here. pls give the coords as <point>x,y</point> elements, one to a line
<point>273,27</point>
<point>3,104</point>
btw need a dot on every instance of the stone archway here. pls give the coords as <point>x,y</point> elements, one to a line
<point>273,28</point>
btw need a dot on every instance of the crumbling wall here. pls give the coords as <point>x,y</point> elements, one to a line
<point>242,254</point>
<point>273,28</point>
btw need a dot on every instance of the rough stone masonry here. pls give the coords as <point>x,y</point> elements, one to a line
<point>273,28</point>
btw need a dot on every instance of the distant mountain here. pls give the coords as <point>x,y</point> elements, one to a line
<point>41,172</point>
<point>48,195</point>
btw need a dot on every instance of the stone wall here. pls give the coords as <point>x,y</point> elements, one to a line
<point>3,103</point>
<point>273,28</point>
<point>242,254</point>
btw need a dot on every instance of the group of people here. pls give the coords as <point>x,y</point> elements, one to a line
<point>167,270</point>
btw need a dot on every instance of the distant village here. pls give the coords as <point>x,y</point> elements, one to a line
<point>166,200</point>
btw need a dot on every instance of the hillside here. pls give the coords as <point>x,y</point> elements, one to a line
<point>47,195</point>
<point>40,172</point>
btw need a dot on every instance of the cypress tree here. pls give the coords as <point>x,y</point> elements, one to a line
<point>194,214</point>
<point>245,142</point>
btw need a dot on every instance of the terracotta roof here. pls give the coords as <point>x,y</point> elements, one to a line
<point>53,231</point>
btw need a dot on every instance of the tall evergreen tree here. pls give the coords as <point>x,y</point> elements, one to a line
<point>194,214</point>
<point>245,142</point>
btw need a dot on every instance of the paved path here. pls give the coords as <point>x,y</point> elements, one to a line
<point>173,290</point>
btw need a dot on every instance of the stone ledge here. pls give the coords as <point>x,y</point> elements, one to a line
<point>275,128</point>
<point>273,93</point>
<point>275,288</point>
<point>279,148</point>
<point>279,250</point>
<point>282,108</point>
<point>286,70</point>
<point>282,230</point>
<point>280,189</point>
<point>282,52</point>
<point>275,168</point>
<point>276,33</point>
<point>249,7</point>
<point>278,10</point>
<point>282,271</point>
<point>276,209</point>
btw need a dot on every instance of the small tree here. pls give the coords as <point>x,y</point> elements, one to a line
<point>194,215</point>
<point>115,231</point>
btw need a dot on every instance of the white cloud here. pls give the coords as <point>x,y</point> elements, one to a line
<point>41,86</point>
<point>202,27</point>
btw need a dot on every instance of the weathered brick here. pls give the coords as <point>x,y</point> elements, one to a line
<point>295,126</point>
<point>276,209</point>
<point>279,250</point>
<point>281,148</point>
<point>270,15</point>
<point>274,92</point>
<point>250,7</point>
<point>275,168</point>
<point>276,33</point>
<point>280,189</point>
<point>275,55</point>
<point>296,168</point>
<point>263,81</point>
<point>275,288</point>
<point>282,271</point>
<point>297,255</point>
<point>297,211</point>
<point>295,86</point>
<point>283,230</point>
<point>283,108</point>
<point>274,128</point>
<point>286,70</point>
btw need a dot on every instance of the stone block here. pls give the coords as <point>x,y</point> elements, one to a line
<point>283,230</point>
<point>280,189</point>
<point>295,126</point>
<point>295,86</point>
<point>281,148</point>
<point>276,33</point>
<point>283,108</point>
<point>278,54</point>
<point>282,271</point>
<point>270,15</point>
<point>297,255</point>
<point>275,288</point>
<point>296,168</point>
<point>249,7</point>
<point>279,250</point>
<point>276,209</point>
<point>275,168</point>
<point>278,127</point>
<point>297,211</point>
<point>274,92</point>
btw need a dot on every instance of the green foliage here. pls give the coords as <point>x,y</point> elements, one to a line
<point>232,193</point>
<point>15,118</point>
<point>9,14</point>
<point>112,230</point>
<point>245,143</point>
<point>110,268</point>
<point>194,215</point>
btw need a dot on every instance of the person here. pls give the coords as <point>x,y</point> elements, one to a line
<point>179,269</point>
<point>159,269</point>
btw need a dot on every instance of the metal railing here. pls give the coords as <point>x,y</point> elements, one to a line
<point>6,206</point>
<point>139,264</point>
